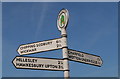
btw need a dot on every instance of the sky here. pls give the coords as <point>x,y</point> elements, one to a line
<point>0,39</point>
<point>92,28</point>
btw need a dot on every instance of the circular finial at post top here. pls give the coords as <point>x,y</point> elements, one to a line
<point>62,20</point>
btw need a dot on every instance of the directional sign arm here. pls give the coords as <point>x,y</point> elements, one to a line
<point>39,63</point>
<point>41,46</point>
<point>84,58</point>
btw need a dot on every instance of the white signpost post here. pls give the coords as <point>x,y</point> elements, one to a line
<point>41,46</point>
<point>21,62</point>
<point>62,22</point>
<point>39,63</point>
<point>84,57</point>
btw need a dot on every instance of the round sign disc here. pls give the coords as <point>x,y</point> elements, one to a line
<point>62,20</point>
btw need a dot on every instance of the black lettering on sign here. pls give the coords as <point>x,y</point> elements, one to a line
<point>58,41</point>
<point>27,46</point>
<point>75,53</point>
<point>43,44</point>
<point>60,62</point>
<point>52,66</point>
<point>46,66</point>
<point>98,59</point>
<point>61,67</point>
<point>58,45</point>
<point>29,65</point>
<point>18,59</point>
<point>95,62</point>
<point>29,50</point>
<point>26,60</point>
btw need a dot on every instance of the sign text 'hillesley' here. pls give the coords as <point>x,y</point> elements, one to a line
<point>39,63</point>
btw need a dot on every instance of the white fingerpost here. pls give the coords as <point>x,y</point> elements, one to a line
<point>62,22</point>
<point>65,56</point>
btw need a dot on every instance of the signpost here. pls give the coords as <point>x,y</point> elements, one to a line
<point>21,62</point>
<point>39,63</point>
<point>84,57</point>
<point>42,46</point>
<point>62,24</point>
